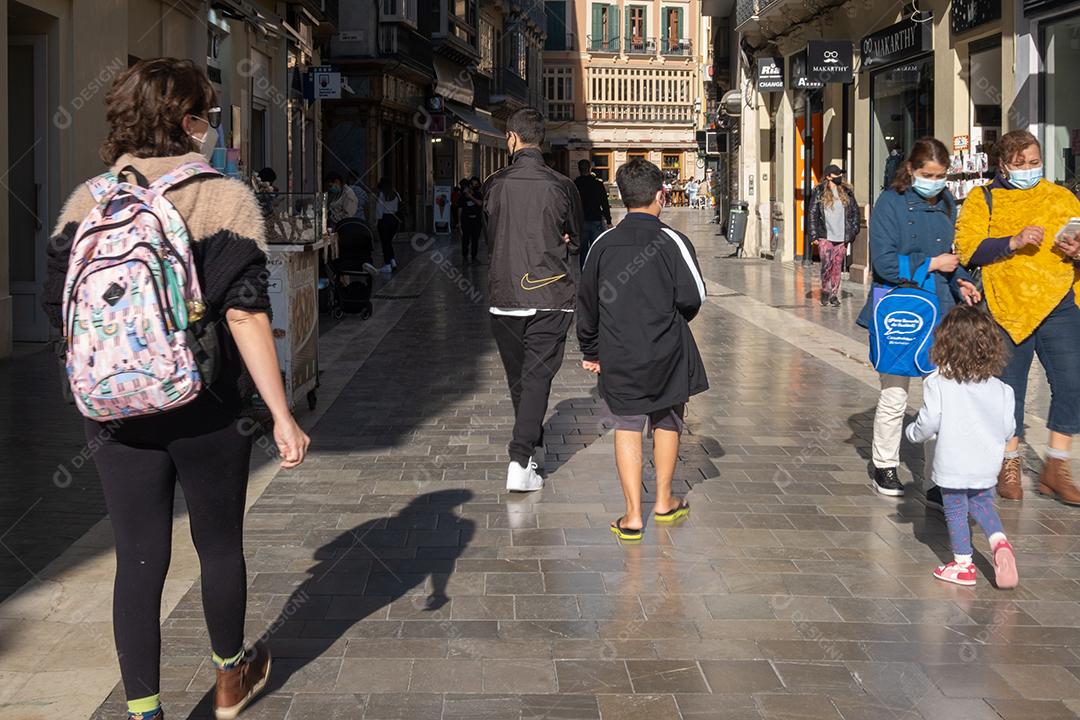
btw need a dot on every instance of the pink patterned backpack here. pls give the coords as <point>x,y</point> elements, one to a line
<point>132,304</point>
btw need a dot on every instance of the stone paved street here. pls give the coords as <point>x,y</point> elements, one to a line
<point>395,578</point>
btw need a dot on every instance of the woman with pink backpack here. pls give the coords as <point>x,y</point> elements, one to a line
<point>157,278</point>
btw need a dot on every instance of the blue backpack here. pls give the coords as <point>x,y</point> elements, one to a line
<point>902,328</point>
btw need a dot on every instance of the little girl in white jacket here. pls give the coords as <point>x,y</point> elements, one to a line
<point>971,412</point>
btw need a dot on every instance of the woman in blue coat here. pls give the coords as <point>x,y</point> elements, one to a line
<point>915,216</point>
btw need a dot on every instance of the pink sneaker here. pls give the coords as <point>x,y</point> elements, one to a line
<point>1005,574</point>
<point>956,573</point>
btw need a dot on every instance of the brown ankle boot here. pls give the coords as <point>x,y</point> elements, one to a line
<point>1056,480</point>
<point>238,686</point>
<point>1010,484</point>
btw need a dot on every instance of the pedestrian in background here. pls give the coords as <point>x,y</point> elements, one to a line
<point>471,210</point>
<point>533,216</point>
<point>595,207</point>
<point>834,222</point>
<point>387,221</point>
<point>692,192</point>
<point>159,118</point>
<point>1031,275</point>
<point>343,202</point>
<point>970,412</point>
<point>636,337</point>
<point>914,217</point>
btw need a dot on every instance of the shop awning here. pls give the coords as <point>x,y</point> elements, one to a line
<point>452,81</point>
<point>476,119</point>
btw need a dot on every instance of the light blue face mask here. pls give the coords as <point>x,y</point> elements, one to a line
<point>926,187</point>
<point>1025,179</point>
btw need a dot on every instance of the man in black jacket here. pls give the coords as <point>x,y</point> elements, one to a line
<point>640,288</point>
<point>594,205</point>
<point>533,216</point>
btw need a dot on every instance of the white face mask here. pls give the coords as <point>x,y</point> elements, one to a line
<point>207,142</point>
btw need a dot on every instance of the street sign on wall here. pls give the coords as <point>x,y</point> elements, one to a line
<point>830,61</point>
<point>769,75</point>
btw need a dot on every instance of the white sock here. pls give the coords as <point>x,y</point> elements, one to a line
<point>997,538</point>
<point>1057,454</point>
<point>1012,454</point>
<point>961,559</point>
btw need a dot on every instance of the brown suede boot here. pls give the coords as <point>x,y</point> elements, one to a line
<point>1056,480</point>
<point>238,686</point>
<point>1010,484</point>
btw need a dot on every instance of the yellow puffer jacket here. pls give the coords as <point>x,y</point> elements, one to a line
<point>1024,287</point>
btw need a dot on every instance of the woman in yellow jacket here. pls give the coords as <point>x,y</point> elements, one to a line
<point>1031,280</point>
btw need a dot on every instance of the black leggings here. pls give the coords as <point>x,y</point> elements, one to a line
<point>388,227</point>
<point>208,451</point>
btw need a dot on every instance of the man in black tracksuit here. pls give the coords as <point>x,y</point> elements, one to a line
<point>533,217</point>
<point>640,288</point>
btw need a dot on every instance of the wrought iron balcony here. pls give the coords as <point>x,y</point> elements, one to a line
<point>676,46</point>
<point>531,9</point>
<point>402,42</point>
<point>640,46</point>
<point>746,9</point>
<point>603,44</point>
<point>560,43</point>
<point>509,85</point>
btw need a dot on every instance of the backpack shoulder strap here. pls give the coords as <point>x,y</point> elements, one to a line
<point>178,175</point>
<point>102,186</point>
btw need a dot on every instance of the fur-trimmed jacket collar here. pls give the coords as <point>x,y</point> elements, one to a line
<point>208,204</point>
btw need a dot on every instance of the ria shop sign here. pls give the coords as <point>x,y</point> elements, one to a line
<point>769,75</point>
<point>830,61</point>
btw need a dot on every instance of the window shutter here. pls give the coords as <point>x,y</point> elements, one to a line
<point>597,25</point>
<point>613,28</point>
<point>679,19</point>
<point>645,25</point>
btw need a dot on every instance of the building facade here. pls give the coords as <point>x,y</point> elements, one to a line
<point>626,79</point>
<point>964,71</point>
<point>61,57</point>
<point>429,86</point>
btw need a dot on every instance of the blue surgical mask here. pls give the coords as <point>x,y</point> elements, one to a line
<point>1025,179</point>
<point>926,187</point>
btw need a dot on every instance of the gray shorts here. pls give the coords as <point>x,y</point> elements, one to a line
<point>666,419</point>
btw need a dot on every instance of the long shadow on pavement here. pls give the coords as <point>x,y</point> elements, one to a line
<point>361,572</point>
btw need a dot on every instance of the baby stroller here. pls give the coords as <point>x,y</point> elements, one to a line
<point>347,280</point>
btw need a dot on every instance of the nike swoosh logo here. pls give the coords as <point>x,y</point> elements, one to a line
<point>528,283</point>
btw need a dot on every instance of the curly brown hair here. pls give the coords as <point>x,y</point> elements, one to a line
<point>968,346</point>
<point>1012,143</point>
<point>147,104</point>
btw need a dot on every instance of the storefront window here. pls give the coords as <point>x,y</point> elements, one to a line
<point>902,111</point>
<point>986,95</point>
<point>1060,43</point>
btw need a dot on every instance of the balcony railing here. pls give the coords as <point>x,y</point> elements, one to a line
<point>678,47</point>
<point>640,112</point>
<point>559,43</point>
<point>560,110</point>
<point>603,44</point>
<point>640,46</point>
<point>509,84</point>
<point>745,9</point>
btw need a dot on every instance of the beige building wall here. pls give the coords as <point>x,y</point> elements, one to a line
<point>591,132</point>
<point>88,43</point>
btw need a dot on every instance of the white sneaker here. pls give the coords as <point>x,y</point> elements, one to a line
<point>523,479</point>
<point>393,263</point>
<point>387,268</point>
<point>371,269</point>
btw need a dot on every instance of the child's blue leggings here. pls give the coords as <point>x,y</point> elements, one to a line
<point>979,504</point>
